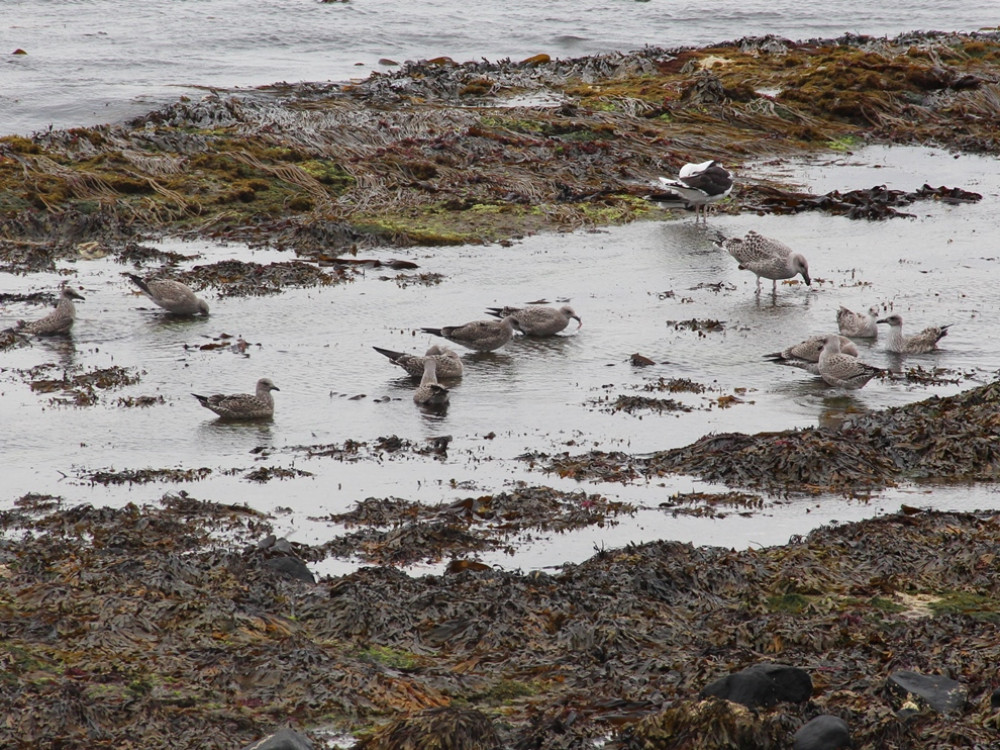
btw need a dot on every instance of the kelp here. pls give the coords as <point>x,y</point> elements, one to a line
<point>438,153</point>
<point>940,439</point>
<point>184,622</point>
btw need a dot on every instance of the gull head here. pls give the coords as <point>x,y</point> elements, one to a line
<point>892,320</point>
<point>801,266</point>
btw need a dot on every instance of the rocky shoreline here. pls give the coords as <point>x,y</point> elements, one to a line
<point>186,623</point>
<point>139,627</point>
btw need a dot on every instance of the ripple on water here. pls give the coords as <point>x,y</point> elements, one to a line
<point>547,395</point>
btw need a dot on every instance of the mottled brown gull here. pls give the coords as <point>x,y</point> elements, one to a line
<point>481,335</point>
<point>843,370</point>
<point>448,363</point>
<point>767,258</point>
<point>56,322</point>
<point>430,392</point>
<point>173,296</point>
<point>538,320</point>
<point>700,185</point>
<point>857,325</point>
<point>918,343</point>
<point>805,354</point>
<point>259,405</point>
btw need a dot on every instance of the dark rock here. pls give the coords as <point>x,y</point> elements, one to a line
<point>283,739</point>
<point>995,699</point>
<point>762,685</point>
<point>291,567</point>
<point>941,693</point>
<point>823,733</point>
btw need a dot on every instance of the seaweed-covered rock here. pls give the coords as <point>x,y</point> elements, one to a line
<point>447,728</point>
<point>762,686</point>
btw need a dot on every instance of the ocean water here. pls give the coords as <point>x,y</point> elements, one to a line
<point>96,61</point>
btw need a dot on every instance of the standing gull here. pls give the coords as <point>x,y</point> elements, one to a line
<point>858,325</point>
<point>58,321</point>
<point>700,185</point>
<point>173,296</point>
<point>481,335</point>
<point>430,392</point>
<point>805,354</point>
<point>243,405</point>
<point>448,363</point>
<point>918,343</point>
<point>767,258</point>
<point>843,370</point>
<point>538,320</point>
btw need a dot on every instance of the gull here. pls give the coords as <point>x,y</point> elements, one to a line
<point>700,185</point>
<point>58,321</point>
<point>448,363</point>
<point>843,370</point>
<point>538,320</point>
<point>857,325</point>
<point>805,354</point>
<point>430,392</point>
<point>481,335</point>
<point>173,296</point>
<point>243,405</point>
<point>918,343</point>
<point>767,258</point>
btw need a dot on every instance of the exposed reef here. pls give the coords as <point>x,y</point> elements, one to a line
<point>439,153</point>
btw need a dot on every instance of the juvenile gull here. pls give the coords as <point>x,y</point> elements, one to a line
<point>857,325</point>
<point>481,335</point>
<point>538,320</point>
<point>448,363</point>
<point>767,258</point>
<point>430,392</point>
<point>700,185</point>
<point>243,405</point>
<point>58,321</point>
<point>173,296</point>
<point>805,354</point>
<point>918,343</point>
<point>843,370</point>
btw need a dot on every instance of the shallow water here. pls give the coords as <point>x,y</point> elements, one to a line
<point>627,284</point>
<point>95,61</point>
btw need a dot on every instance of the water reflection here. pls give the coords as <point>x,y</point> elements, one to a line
<point>838,407</point>
<point>221,432</point>
<point>63,348</point>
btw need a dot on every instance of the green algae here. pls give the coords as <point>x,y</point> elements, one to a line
<point>383,159</point>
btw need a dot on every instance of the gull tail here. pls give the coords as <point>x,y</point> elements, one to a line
<point>388,353</point>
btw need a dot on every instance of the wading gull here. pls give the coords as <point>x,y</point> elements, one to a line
<point>857,325</point>
<point>448,363</point>
<point>700,185</point>
<point>259,405</point>
<point>843,370</point>
<point>918,343</point>
<point>430,392</point>
<point>805,354</point>
<point>481,335</point>
<point>56,322</point>
<point>767,258</point>
<point>173,296</point>
<point>538,320</point>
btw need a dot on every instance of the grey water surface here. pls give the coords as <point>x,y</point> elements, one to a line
<point>633,286</point>
<point>94,61</point>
